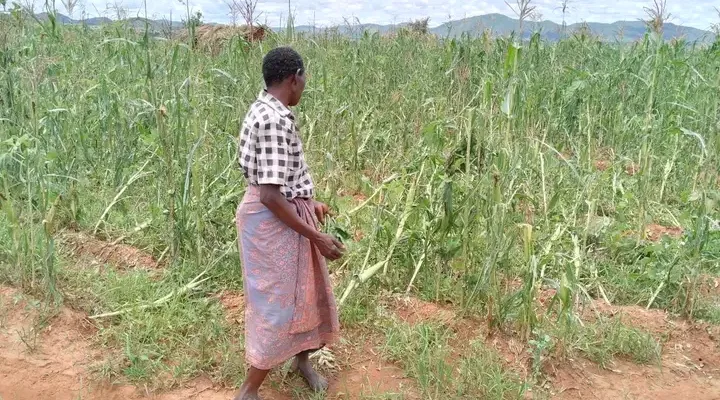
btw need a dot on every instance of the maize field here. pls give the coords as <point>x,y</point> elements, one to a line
<point>513,211</point>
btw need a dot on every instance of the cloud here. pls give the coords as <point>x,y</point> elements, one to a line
<point>700,14</point>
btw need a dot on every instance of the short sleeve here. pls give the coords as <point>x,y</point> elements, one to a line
<point>271,151</point>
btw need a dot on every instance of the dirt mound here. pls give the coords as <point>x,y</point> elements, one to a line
<point>362,373</point>
<point>94,251</point>
<point>689,365</point>
<point>687,346</point>
<point>47,354</point>
<point>579,379</point>
<point>466,330</point>
<point>43,353</point>
<point>651,320</point>
<point>656,232</point>
<point>415,311</point>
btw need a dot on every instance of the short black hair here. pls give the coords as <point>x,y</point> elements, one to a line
<point>281,63</point>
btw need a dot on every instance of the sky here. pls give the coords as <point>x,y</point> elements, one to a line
<point>696,13</point>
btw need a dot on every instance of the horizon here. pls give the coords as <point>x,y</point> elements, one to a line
<point>701,15</point>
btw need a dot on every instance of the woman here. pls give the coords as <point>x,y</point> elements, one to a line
<point>290,308</point>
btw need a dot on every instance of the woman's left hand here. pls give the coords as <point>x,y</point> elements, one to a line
<point>321,210</point>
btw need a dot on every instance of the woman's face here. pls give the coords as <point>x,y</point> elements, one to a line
<point>298,87</point>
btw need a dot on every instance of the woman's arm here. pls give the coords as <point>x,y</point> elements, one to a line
<point>275,201</point>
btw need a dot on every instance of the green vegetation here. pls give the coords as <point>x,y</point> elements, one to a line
<point>476,373</point>
<point>603,341</point>
<point>475,172</point>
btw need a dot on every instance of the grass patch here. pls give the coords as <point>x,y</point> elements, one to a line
<point>603,341</point>
<point>424,352</point>
<point>162,345</point>
<point>482,376</point>
<point>708,310</point>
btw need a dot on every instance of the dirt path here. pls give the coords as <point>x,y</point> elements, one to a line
<point>52,358</point>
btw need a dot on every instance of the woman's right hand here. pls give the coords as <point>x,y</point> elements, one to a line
<point>329,247</point>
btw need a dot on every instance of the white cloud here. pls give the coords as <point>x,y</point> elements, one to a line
<point>700,14</point>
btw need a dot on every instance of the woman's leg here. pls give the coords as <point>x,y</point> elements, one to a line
<point>253,380</point>
<point>316,381</point>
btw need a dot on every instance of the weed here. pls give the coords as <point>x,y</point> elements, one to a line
<point>604,340</point>
<point>482,376</point>
<point>426,355</point>
<point>708,311</point>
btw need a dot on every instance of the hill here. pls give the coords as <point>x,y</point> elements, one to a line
<point>502,25</point>
<point>497,23</point>
<point>137,22</point>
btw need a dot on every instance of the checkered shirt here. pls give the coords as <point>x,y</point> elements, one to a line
<point>270,150</point>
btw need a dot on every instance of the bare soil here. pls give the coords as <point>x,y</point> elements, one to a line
<point>92,251</point>
<point>364,374</point>
<point>655,232</point>
<point>59,357</point>
<point>234,305</point>
<point>689,366</point>
<point>50,354</point>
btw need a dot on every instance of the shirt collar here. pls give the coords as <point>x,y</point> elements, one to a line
<point>273,102</point>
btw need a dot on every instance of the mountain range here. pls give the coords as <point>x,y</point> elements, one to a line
<point>502,25</point>
<point>497,23</point>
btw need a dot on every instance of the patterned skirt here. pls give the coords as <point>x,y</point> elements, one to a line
<point>289,303</point>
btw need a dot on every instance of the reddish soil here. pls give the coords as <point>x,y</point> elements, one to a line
<point>631,168</point>
<point>689,367</point>
<point>93,251</point>
<point>467,330</point>
<point>234,305</point>
<point>580,379</point>
<point>414,311</point>
<point>57,361</point>
<point>709,287</point>
<point>602,165</point>
<point>63,355</point>
<point>363,373</point>
<point>655,232</point>
<point>58,364</point>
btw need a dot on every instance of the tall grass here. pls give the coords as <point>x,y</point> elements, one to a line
<point>133,137</point>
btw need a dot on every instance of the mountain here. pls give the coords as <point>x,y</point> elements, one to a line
<point>60,18</point>
<point>136,22</point>
<point>98,21</point>
<point>503,25</point>
<point>499,24</point>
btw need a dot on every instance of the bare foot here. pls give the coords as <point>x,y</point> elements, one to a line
<point>317,382</point>
<point>244,395</point>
